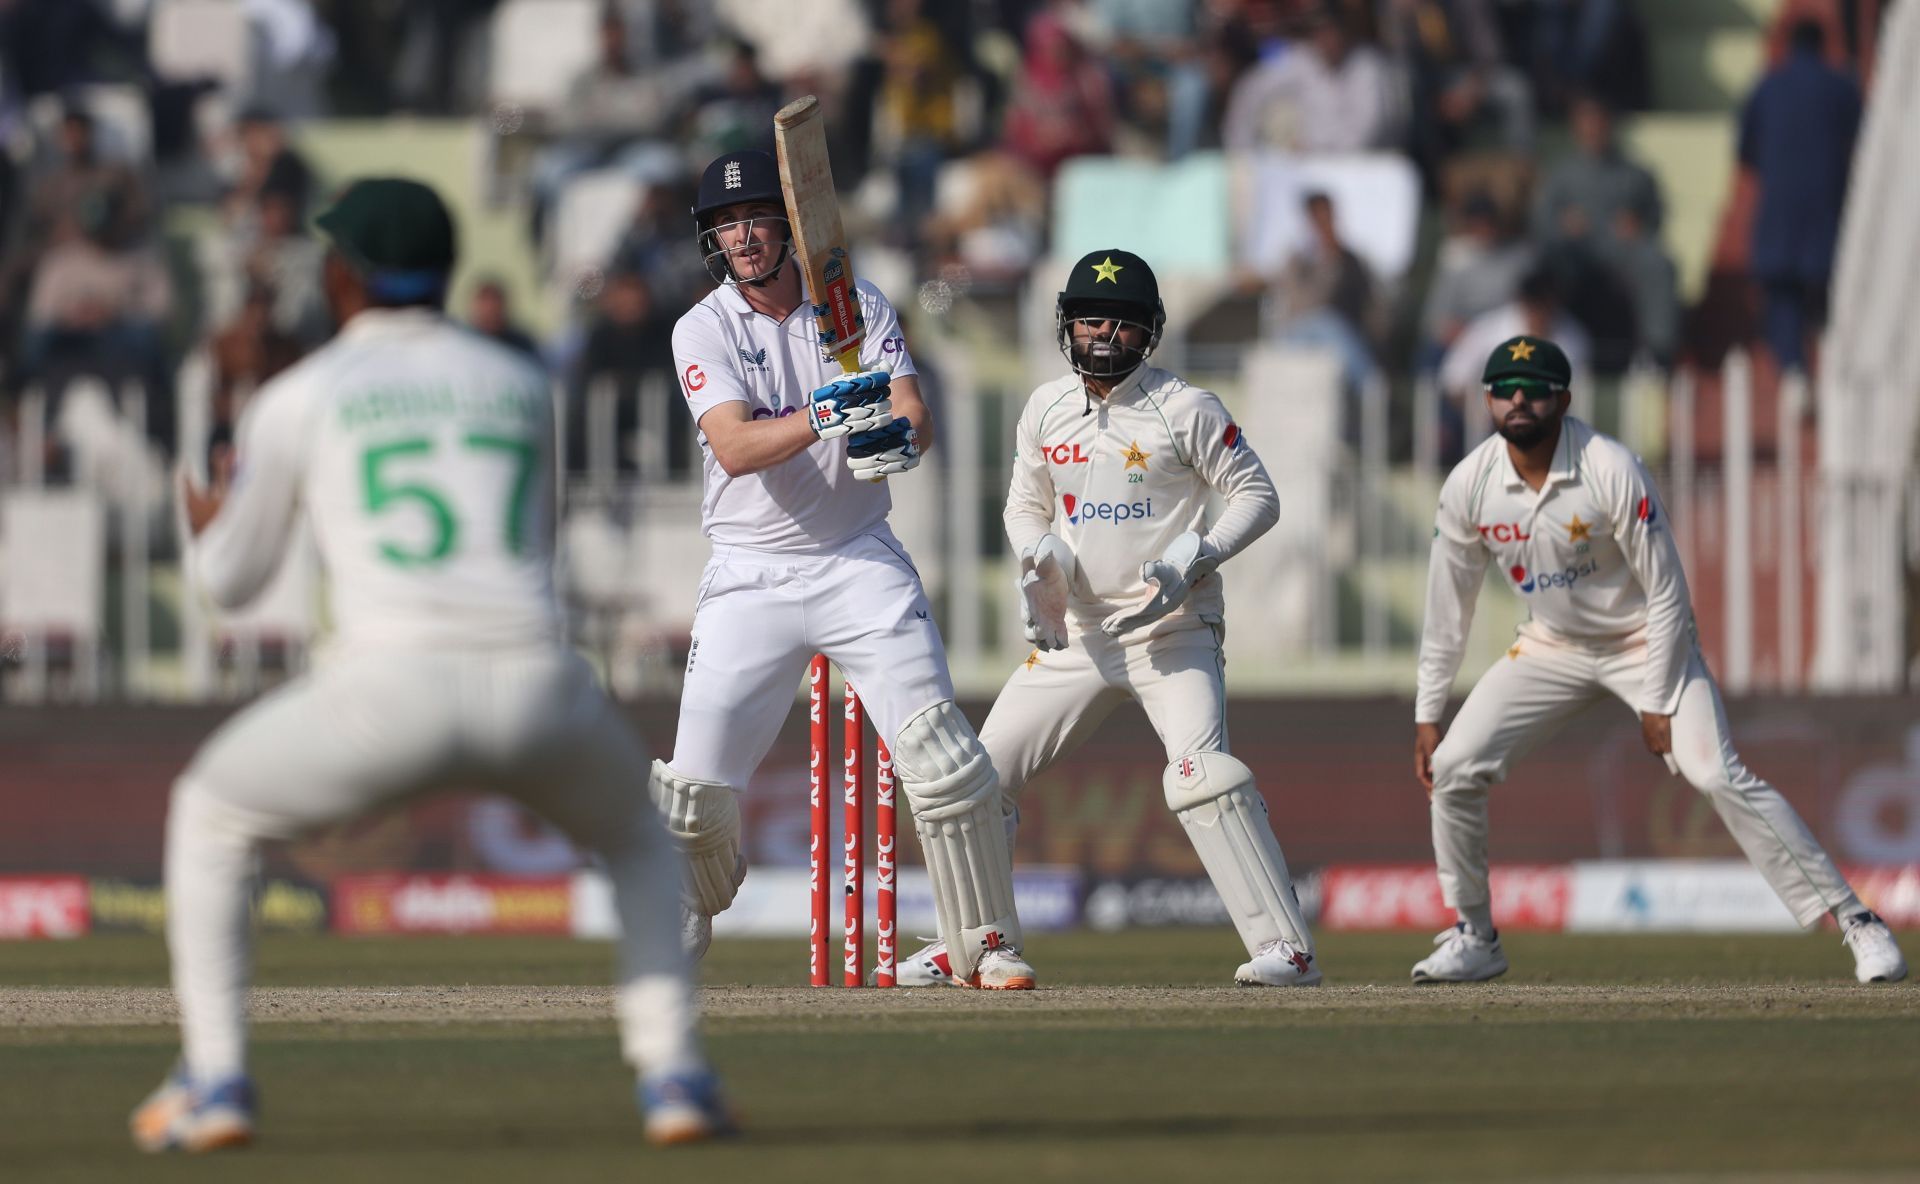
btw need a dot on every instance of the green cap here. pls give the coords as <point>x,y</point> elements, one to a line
<point>1527,356</point>
<point>1119,277</point>
<point>398,232</point>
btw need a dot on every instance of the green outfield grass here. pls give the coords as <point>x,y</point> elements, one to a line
<point>1597,1058</point>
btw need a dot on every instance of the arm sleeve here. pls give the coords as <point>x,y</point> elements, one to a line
<point>237,554</point>
<point>1029,512</point>
<point>1227,463</point>
<point>1455,569</point>
<point>1646,541</point>
<point>707,376</point>
<point>885,347</point>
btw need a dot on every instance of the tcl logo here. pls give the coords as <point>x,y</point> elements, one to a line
<point>51,906</point>
<point>1066,454</point>
<point>695,377</point>
<point>1504,532</point>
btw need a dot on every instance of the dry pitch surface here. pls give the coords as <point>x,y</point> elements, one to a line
<point>1623,1058</point>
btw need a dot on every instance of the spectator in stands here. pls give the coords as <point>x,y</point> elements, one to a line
<point>246,353</point>
<point>266,161</point>
<point>490,315</point>
<point>917,94</point>
<point>1062,104</point>
<point>97,305</point>
<point>1000,231</point>
<point>1797,132</point>
<point>629,343</point>
<point>657,246</point>
<point>1641,266</point>
<point>80,180</point>
<point>615,117</point>
<point>1536,311</point>
<point>47,46</point>
<point>1584,190</point>
<point>734,112</point>
<point>1479,269</point>
<point>1451,55</point>
<point>1329,298</point>
<point>1160,76</point>
<point>1577,221</point>
<point>1330,96</point>
<point>1596,47</point>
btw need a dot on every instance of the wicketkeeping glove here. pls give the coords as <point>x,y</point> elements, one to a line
<point>876,455</point>
<point>1046,574</point>
<point>856,403</point>
<point>1170,577</point>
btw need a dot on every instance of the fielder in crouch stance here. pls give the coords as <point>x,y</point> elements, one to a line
<point>422,456</point>
<point>1573,519</point>
<point>804,562</point>
<point>1111,476</point>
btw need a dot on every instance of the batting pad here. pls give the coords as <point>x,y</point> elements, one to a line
<point>1225,818</point>
<point>704,818</point>
<point>955,796</point>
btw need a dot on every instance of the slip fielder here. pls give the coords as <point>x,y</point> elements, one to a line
<point>1573,520</point>
<point>803,563</point>
<point>422,456</point>
<point>1113,469</point>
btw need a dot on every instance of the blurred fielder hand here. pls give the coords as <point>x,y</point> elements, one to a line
<point>857,403</point>
<point>1171,577</point>
<point>1426,738</point>
<point>1045,575</point>
<point>203,505</point>
<point>877,455</point>
<point>1657,731</point>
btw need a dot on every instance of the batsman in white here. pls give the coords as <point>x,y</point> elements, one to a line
<point>804,562</point>
<point>1114,465</point>
<point>1573,520</point>
<point>421,456</point>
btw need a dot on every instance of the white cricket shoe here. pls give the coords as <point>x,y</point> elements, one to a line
<point>1002,969</point>
<point>1876,956</point>
<point>930,967</point>
<point>696,933</point>
<point>1278,964</point>
<point>1464,956</point>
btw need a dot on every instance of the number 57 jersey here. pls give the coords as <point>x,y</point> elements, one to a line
<point>422,455</point>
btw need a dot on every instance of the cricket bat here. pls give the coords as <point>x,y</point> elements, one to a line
<point>819,241</point>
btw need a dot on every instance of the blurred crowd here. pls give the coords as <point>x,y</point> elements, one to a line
<point>1539,219</point>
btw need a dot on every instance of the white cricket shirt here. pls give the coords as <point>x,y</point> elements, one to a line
<point>726,352</point>
<point>1121,481</point>
<point>1591,554</point>
<point>422,455</point>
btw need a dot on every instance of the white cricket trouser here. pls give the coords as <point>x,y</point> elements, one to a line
<point>374,729</point>
<point>763,614</point>
<point>1526,696</point>
<point>1054,701</point>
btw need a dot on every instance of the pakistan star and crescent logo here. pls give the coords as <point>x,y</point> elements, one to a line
<point>1522,351</point>
<point>1106,271</point>
<point>1135,457</point>
<point>1577,530</point>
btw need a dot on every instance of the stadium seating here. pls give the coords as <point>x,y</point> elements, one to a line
<point>539,46</point>
<point>56,601</point>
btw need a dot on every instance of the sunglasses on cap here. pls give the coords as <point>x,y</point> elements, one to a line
<point>1504,389</point>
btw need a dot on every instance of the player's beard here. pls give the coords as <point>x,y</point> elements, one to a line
<point>1529,432</point>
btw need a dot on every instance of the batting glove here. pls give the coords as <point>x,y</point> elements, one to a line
<point>856,403</point>
<point>877,455</point>
<point>1169,579</point>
